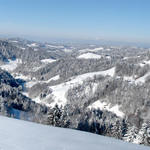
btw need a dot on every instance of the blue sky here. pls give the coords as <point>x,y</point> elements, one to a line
<point>123,20</point>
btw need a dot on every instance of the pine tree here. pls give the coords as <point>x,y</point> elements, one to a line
<point>116,130</point>
<point>64,119</point>
<point>54,116</point>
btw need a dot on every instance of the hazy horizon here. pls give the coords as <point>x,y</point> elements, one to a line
<point>108,20</point>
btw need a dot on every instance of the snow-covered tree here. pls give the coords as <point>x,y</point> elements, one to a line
<point>131,134</point>
<point>143,135</point>
<point>54,116</point>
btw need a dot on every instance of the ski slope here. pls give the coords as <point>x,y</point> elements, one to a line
<point>22,135</point>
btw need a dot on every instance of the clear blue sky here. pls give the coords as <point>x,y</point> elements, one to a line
<point>127,20</point>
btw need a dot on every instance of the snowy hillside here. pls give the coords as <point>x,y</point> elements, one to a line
<point>11,65</point>
<point>22,135</point>
<point>89,56</point>
<point>59,91</point>
<point>105,106</point>
<point>95,88</point>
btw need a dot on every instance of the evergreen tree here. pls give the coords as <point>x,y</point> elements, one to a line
<point>54,116</point>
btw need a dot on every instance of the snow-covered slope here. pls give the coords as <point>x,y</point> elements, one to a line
<point>11,64</point>
<point>139,80</point>
<point>59,91</point>
<point>145,63</point>
<point>104,106</point>
<point>53,78</point>
<point>48,60</point>
<point>32,45</point>
<point>92,50</point>
<point>54,46</point>
<point>22,135</point>
<point>89,56</point>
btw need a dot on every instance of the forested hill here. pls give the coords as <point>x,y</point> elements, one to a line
<point>95,88</point>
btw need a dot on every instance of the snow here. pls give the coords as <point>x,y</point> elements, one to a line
<point>31,83</point>
<point>35,49</point>
<point>89,89</point>
<point>53,78</point>
<point>136,80</point>
<point>92,50</point>
<point>108,57</point>
<point>130,79</point>
<point>115,109</point>
<point>96,49</point>
<point>14,41</point>
<point>32,45</point>
<point>21,76</point>
<point>104,106</point>
<point>125,58</point>
<point>142,79</point>
<point>22,135</point>
<point>59,91</point>
<point>89,56</point>
<point>25,93</point>
<point>34,81</point>
<point>67,50</point>
<point>22,48</point>
<point>145,63</point>
<point>54,46</point>
<point>37,100</point>
<point>48,60</point>
<point>11,64</point>
<point>59,94</point>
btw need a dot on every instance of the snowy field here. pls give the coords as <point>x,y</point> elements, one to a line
<point>89,56</point>
<point>104,106</point>
<point>22,135</point>
<point>11,65</point>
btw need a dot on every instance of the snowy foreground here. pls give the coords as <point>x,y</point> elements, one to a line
<point>22,135</point>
